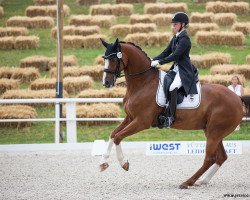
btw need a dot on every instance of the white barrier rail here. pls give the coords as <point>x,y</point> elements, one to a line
<point>71,130</point>
<point>70,119</point>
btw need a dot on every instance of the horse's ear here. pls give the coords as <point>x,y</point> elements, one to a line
<point>116,43</point>
<point>104,43</point>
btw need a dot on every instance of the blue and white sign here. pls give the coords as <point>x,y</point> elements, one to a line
<point>188,148</point>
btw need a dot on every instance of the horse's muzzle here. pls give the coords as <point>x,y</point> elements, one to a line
<point>108,84</point>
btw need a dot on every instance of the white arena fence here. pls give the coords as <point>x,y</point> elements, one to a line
<point>71,130</point>
<point>70,103</point>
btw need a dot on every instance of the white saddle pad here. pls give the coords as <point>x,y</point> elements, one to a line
<point>189,102</point>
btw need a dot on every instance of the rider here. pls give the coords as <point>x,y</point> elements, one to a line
<point>178,52</point>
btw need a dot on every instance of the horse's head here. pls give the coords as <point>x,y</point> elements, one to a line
<point>114,63</point>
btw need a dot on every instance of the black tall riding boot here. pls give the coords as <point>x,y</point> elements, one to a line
<point>172,106</point>
<point>166,120</point>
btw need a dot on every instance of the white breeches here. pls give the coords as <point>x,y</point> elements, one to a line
<point>176,83</point>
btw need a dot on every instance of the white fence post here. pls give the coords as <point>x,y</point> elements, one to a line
<point>57,122</point>
<point>71,122</point>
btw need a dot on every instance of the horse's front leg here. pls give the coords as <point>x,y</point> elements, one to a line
<point>130,129</point>
<point>104,163</point>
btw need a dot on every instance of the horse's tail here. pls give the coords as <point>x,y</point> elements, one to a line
<point>246,101</point>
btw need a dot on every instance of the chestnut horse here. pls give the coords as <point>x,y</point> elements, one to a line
<point>219,113</point>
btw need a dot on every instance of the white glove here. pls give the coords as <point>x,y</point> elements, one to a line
<point>154,63</point>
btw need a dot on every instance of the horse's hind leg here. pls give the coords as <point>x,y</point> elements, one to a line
<point>210,158</point>
<point>221,157</point>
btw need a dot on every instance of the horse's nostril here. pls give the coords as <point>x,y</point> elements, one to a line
<point>106,82</point>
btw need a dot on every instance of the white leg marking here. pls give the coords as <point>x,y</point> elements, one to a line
<point>209,174</point>
<point>105,156</point>
<point>119,155</point>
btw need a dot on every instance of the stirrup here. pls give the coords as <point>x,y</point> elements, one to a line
<point>165,122</point>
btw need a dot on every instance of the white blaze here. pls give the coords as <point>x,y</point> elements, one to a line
<point>106,66</point>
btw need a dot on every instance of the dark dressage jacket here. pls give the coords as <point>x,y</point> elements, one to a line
<point>178,52</point>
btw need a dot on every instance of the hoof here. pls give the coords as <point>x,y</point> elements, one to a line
<point>200,182</point>
<point>104,166</point>
<point>183,186</point>
<point>126,166</point>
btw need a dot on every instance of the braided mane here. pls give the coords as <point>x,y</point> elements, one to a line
<point>133,44</point>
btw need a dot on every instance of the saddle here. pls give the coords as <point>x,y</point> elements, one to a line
<point>168,79</point>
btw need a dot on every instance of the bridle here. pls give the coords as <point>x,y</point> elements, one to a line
<point>117,73</point>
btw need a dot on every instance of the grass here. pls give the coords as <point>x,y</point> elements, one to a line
<point>43,132</point>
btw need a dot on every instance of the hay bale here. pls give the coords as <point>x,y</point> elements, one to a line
<point>103,20</point>
<point>51,10</point>
<point>17,112</point>
<point>6,72</point>
<point>222,7</point>
<point>26,42</point>
<point>246,91</point>
<point>74,85</point>
<point>87,30</point>
<point>99,60</point>
<point>77,30</point>
<point>93,41</point>
<point>44,2</point>
<point>143,28</point>
<point>34,11</point>
<point>143,39</point>
<point>102,9</point>
<point>8,84</point>
<point>202,17</point>
<point>115,92</point>
<point>135,1</point>
<point>248,59</point>
<point>243,27</point>
<point>220,79</point>
<point>225,19</point>
<point>204,1</point>
<point>30,22</point>
<point>135,18</point>
<point>231,69</point>
<point>32,94</point>
<point>87,2</point>
<point>162,19</point>
<point>156,8</point>
<point>43,84</point>
<point>100,110</point>
<point>73,41</point>
<point>67,30</point>
<point>90,41</point>
<point>80,20</point>
<point>120,30</point>
<point>139,39</point>
<point>39,62</point>
<point>158,39</point>
<point>210,59</point>
<point>195,27</point>
<point>1,11</point>
<point>95,72</point>
<point>7,42</point>
<point>122,9</point>
<point>13,31</point>
<point>219,38</point>
<point>68,61</point>
<point>26,75</point>
<point>88,20</point>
